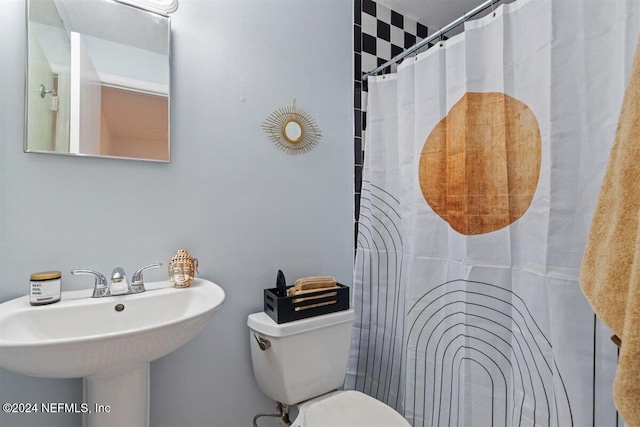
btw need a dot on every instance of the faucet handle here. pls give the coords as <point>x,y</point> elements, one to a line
<point>100,286</point>
<point>137,282</point>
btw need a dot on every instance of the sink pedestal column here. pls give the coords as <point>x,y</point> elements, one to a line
<point>121,400</point>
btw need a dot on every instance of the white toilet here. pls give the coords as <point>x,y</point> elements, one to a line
<point>303,363</point>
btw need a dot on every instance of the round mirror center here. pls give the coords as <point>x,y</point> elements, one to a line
<point>292,131</point>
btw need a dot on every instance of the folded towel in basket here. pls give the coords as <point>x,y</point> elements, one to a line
<point>312,284</point>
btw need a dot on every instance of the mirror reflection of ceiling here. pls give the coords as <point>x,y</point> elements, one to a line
<point>163,7</point>
<point>130,26</point>
<point>46,13</point>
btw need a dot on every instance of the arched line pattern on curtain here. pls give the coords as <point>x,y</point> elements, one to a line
<point>379,232</point>
<point>507,359</point>
<point>508,319</point>
<point>471,359</point>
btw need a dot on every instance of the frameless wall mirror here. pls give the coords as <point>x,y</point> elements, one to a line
<point>97,80</point>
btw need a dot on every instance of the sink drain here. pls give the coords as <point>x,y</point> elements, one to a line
<point>119,307</point>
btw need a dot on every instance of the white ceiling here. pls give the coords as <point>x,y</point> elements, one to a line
<point>434,14</point>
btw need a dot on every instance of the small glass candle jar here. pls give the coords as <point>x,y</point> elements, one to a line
<point>45,287</point>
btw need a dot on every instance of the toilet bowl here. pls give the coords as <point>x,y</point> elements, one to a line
<point>347,408</point>
<point>304,362</point>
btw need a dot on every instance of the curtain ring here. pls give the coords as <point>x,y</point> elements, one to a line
<point>493,12</point>
<point>441,34</point>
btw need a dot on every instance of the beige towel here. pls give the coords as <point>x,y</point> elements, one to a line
<point>610,274</point>
<point>314,283</point>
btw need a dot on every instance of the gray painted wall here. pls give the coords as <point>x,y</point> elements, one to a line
<point>229,196</point>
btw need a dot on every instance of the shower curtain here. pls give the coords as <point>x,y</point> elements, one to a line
<point>483,161</point>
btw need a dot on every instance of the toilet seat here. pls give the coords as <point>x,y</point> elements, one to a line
<point>347,409</point>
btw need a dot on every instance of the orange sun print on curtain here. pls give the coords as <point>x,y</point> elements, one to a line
<point>480,165</point>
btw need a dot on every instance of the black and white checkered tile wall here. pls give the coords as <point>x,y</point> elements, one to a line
<point>379,34</point>
<point>384,34</point>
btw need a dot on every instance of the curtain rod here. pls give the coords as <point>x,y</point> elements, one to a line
<point>432,37</point>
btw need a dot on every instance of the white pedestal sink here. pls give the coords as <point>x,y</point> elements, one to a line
<point>110,347</point>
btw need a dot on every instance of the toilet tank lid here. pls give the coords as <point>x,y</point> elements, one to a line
<point>262,323</point>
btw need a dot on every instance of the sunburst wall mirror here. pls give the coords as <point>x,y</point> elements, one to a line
<point>292,130</point>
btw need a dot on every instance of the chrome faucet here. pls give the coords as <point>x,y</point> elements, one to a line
<point>119,285</point>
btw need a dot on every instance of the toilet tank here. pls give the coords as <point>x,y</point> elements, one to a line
<point>307,358</point>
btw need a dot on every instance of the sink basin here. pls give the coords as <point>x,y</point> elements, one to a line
<point>82,336</point>
<point>113,337</point>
